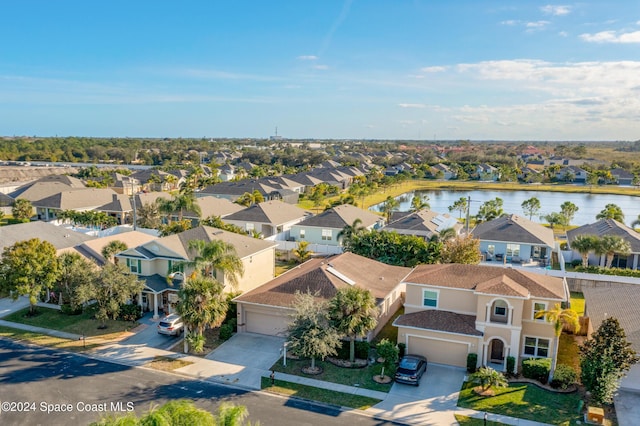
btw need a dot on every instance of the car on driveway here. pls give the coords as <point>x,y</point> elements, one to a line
<point>411,369</point>
<point>171,325</point>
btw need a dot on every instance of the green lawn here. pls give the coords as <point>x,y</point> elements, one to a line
<point>568,353</point>
<point>316,394</point>
<point>389,331</point>
<point>48,341</point>
<point>77,324</point>
<point>524,401</point>
<point>470,421</point>
<point>577,302</point>
<point>363,377</point>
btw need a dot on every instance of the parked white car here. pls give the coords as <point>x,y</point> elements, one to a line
<point>171,325</point>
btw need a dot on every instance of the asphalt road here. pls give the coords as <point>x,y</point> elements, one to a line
<point>77,390</point>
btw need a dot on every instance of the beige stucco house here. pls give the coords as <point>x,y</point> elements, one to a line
<point>266,309</point>
<point>155,260</point>
<point>452,310</point>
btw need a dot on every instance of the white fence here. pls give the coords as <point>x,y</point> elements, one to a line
<point>316,248</point>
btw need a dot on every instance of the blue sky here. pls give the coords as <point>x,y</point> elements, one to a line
<point>421,69</point>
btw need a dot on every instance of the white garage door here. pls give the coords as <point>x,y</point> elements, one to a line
<point>261,323</point>
<point>439,351</point>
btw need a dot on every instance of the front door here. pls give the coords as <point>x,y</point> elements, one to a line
<point>497,350</point>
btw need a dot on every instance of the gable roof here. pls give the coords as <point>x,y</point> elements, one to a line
<point>489,280</point>
<point>423,222</point>
<point>619,301</point>
<point>92,249</point>
<point>327,276</point>
<point>79,198</point>
<point>119,203</point>
<point>274,212</point>
<point>513,228</point>
<point>341,216</point>
<point>607,227</point>
<point>446,321</point>
<point>58,236</point>
<point>38,190</point>
<point>214,206</point>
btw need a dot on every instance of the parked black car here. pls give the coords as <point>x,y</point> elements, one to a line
<point>411,369</point>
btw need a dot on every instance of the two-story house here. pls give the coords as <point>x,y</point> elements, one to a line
<point>155,260</point>
<point>452,310</point>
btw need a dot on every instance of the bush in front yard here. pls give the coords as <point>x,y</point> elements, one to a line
<point>472,362</point>
<point>130,312</point>
<point>536,369</point>
<point>226,331</point>
<point>563,377</point>
<point>511,366</point>
<point>67,309</point>
<point>362,350</point>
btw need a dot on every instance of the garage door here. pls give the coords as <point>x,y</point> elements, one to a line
<point>439,351</point>
<point>261,323</point>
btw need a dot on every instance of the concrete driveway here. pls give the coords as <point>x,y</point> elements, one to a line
<point>433,402</point>
<point>250,350</point>
<point>147,334</point>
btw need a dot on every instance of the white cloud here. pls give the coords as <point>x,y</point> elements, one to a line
<point>510,22</point>
<point>412,105</point>
<point>320,67</point>
<point>563,34</point>
<point>537,24</point>
<point>308,57</point>
<point>556,10</point>
<point>612,37</point>
<point>434,69</point>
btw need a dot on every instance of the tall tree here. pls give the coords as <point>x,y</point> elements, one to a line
<point>389,206</point>
<point>201,304</point>
<point>217,257</point>
<point>420,202</point>
<point>353,313</point>
<point>112,248</point>
<point>29,268</point>
<point>554,219</point>
<point>531,207</point>
<point>560,318</point>
<point>460,206</point>
<point>610,245</point>
<point>75,272</point>
<point>568,211</point>
<point>611,211</point>
<point>148,215</point>
<point>186,202</point>
<point>113,288</point>
<point>604,358</point>
<point>302,252</point>
<point>636,222</point>
<point>461,250</point>
<point>348,232</point>
<point>22,209</point>
<point>490,210</point>
<point>310,331</point>
<point>584,244</point>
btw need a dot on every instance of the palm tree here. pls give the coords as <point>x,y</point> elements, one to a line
<point>636,222</point>
<point>148,215</point>
<point>214,256</point>
<point>353,312</point>
<point>301,252</point>
<point>186,201</point>
<point>611,211</point>
<point>447,234</point>
<point>201,304</point>
<point>349,231</point>
<point>389,206</point>
<point>584,244</point>
<point>487,377</point>
<point>610,245</point>
<point>115,246</point>
<point>461,206</point>
<point>560,318</point>
<point>419,202</point>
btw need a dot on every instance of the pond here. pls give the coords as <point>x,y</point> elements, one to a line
<point>589,205</point>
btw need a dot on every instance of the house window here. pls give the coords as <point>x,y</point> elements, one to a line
<point>175,267</point>
<point>500,308</point>
<point>539,307</point>
<point>249,227</point>
<point>536,347</point>
<point>491,248</point>
<point>302,234</point>
<point>134,265</point>
<point>327,234</point>
<point>430,298</point>
<point>513,250</point>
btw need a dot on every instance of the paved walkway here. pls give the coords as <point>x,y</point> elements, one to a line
<point>401,407</point>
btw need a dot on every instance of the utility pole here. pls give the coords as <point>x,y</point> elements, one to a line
<point>468,209</point>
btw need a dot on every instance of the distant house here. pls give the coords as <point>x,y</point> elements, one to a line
<point>610,227</point>
<point>622,177</point>
<point>572,174</point>
<point>446,171</point>
<point>60,237</point>
<point>325,227</point>
<point>83,199</point>
<point>424,223</point>
<point>268,218</point>
<point>452,310</point>
<point>487,172</point>
<point>266,309</point>
<point>512,238</point>
<point>234,190</point>
<point>155,260</point>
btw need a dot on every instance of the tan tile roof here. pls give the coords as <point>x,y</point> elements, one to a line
<point>74,199</point>
<point>273,212</point>
<point>513,228</point>
<point>502,281</point>
<point>432,319</point>
<point>316,275</point>
<point>214,206</point>
<point>58,236</point>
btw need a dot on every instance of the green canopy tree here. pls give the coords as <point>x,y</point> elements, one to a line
<point>584,244</point>
<point>148,215</point>
<point>112,248</point>
<point>22,209</point>
<point>461,250</point>
<point>531,207</point>
<point>490,210</point>
<point>201,304</point>
<point>353,313</point>
<point>568,211</point>
<point>29,268</point>
<point>310,331</point>
<point>75,272</point>
<point>389,206</point>
<point>460,206</point>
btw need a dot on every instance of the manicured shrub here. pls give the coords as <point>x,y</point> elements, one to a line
<point>130,312</point>
<point>576,262</point>
<point>362,350</point>
<point>563,377</point>
<point>511,366</point>
<point>536,369</point>
<point>609,271</point>
<point>69,310</point>
<point>226,331</point>
<point>472,362</point>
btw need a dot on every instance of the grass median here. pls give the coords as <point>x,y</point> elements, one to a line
<point>317,394</point>
<point>48,341</point>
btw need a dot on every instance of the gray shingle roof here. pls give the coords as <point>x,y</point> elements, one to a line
<point>425,223</point>
<point>341,216</point>
<point>607,227</point>
<point>516,229</point>
<point>432,319</point>
<point>274,212</point>
<point>56,235</point>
